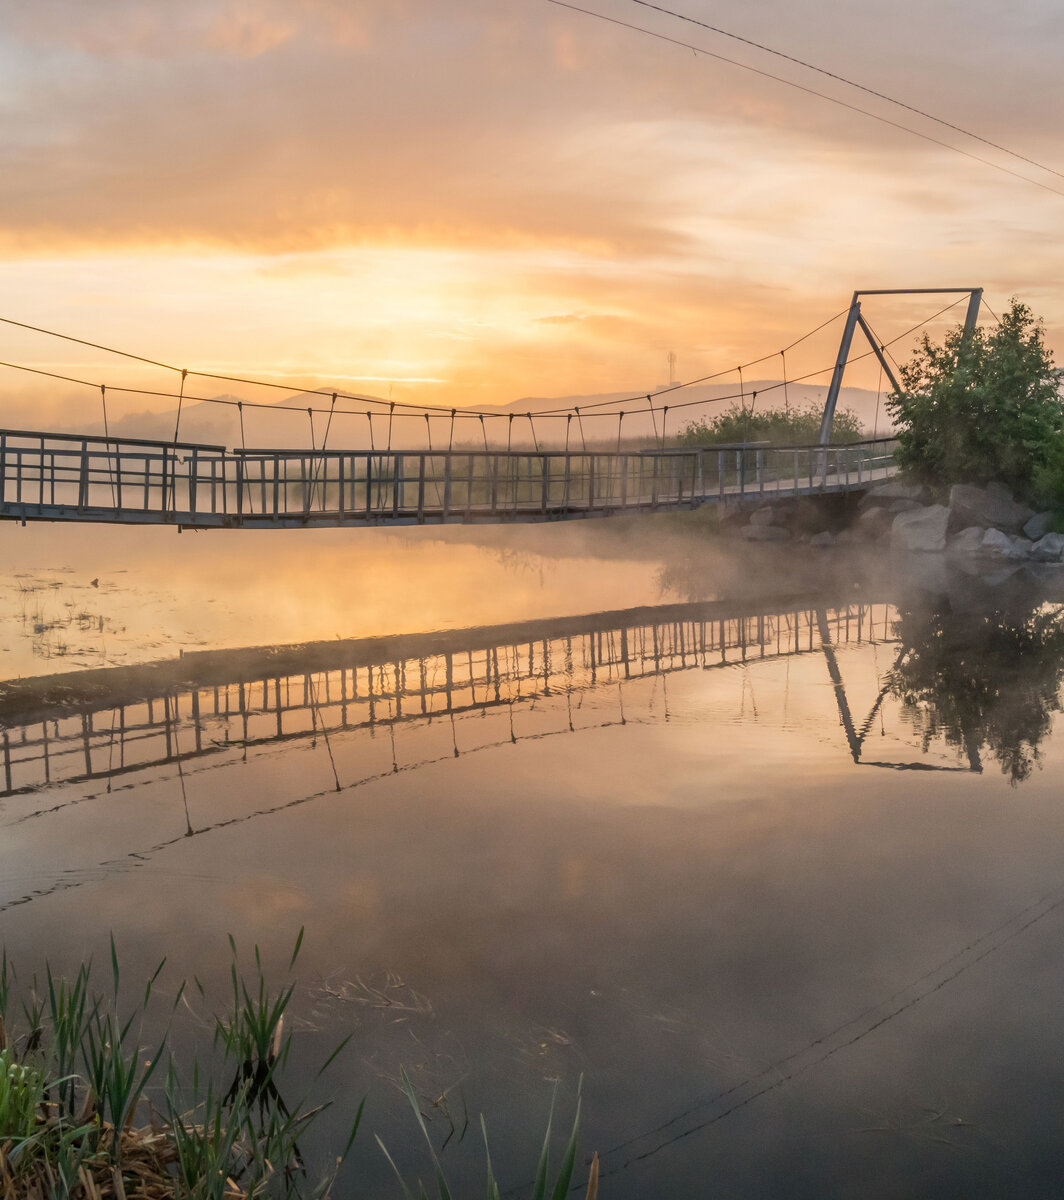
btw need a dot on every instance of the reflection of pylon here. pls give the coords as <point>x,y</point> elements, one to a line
<point>856,738</point>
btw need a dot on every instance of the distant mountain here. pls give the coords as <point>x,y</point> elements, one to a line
<point>286,424</point>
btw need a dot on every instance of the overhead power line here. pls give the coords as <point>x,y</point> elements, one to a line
<point>801,62</point>
<point>801,87</point>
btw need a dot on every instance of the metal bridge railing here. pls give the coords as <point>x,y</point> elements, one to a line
<point>62,477</point>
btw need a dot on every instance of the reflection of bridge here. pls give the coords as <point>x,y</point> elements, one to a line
<point>59,477</point>
<point>107,723</point>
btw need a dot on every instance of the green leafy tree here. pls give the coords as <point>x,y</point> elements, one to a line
<point>984,405</point>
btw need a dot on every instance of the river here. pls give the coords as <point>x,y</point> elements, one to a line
<point>765,847</point>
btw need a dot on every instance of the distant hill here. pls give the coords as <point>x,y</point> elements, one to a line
<point>286,423</point>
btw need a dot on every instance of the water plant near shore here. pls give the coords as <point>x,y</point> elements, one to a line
<point>77,1121</point>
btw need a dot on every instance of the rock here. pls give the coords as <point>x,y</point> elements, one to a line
<point>999,491</point>
<point>904,505</point>
<point>1038,526</point>
<point>968,541</point>
<point>982,506</point>
<point>873,522</point>
<point>763,516</point>
<point>997,543</point>
<point>1049,548</point>
<point>1021,549</point>
<point>823,541</point>
<point>764,533</point>
<point>895,490</point>
<point>922,529</point>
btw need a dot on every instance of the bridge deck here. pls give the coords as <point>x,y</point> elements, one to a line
<point>61,477</point>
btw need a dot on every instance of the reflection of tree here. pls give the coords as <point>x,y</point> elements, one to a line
<point>984,681</point>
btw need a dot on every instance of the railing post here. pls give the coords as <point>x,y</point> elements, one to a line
<point>340,484</point>
<point>544,465</point>
<point>192,480</point>
<point>590,482</point>
<point>446,484</point>
<point>369,485</point>
<point>83,482</point>
<point>421,490</point>
<point>240,490</point>
<point>624,480</point>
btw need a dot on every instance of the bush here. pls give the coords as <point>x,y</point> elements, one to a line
<point>778,426</point>
<point>984,406</point>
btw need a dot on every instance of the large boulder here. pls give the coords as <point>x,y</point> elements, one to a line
<point>991,507</point>
<point>764,533</point>
<point>1021,549</point>
<point>997,543</point>
<point>894,489</point>
<point>968,541</point>
<point>873,523</point>
<point>922,529</point>
<point>1038,526</point>
<point>1049,548</point>
<point>764,516</point>
<point>822,541</point>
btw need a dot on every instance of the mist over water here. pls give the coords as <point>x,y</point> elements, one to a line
<point>767,846</point>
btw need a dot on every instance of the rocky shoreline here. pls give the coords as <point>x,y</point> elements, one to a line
<point>985,525</point>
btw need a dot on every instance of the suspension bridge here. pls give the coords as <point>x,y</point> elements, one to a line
<point>47,476</point>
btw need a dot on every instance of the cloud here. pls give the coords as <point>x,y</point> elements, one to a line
<point>513,198</point>
<point>296,123</point>
<point>562,319</point>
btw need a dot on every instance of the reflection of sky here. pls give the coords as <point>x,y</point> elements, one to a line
<point>160,592</point>
<point>673,908</point>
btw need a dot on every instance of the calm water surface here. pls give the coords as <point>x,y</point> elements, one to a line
<point>770,852</point>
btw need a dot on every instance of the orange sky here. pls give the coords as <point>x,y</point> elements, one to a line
<point>475,202</point>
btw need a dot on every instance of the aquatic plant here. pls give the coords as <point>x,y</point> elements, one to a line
<point>562,1182</point>
<point>74,1082</point>
<point>77,1123</point>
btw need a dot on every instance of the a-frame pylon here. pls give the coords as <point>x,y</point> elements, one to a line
<point>855,320</point>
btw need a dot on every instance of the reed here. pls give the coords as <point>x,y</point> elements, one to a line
<point>85,1114</point>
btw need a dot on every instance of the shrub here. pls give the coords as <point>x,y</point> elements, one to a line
<point>985,405</point>
<point>778,426</point>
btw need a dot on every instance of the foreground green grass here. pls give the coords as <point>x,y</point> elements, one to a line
<point>77,1121</point>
